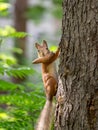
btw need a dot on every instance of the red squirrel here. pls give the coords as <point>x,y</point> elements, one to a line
<point>49,76</point>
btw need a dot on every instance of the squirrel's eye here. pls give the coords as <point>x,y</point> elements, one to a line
<point>38,50</point>
<point>46,48</point>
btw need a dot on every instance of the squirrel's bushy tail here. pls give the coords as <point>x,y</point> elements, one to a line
<point>45,117</point>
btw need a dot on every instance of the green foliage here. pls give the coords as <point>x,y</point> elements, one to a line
<point>39,12</point>
<point>9,31</point>
<point>7,60</point>
<point>57,2</point>
<point>5,1</point>
<point>17,50</point>
<point>4,8</point>
<point>21,107</point>
<point>57,11</point>
<point>53,48</point>
<point>20,104</point>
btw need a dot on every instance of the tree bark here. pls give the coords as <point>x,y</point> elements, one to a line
<point>77,96</point>
<point>20,23</point>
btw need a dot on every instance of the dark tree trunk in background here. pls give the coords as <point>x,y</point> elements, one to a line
<point>20,25</point>
<point>20,22</point>
<point>77,106</point>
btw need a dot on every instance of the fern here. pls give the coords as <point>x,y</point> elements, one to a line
<point>7,59</point>
<point>21,101</point>
<point>9,86</point>
<point>19,72</point>
<point>9,31</point>
<point>19,107</point>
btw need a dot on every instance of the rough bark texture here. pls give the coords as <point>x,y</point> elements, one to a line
<point>77,106</point>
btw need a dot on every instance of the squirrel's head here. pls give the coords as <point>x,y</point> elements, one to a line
<point>42,49</point>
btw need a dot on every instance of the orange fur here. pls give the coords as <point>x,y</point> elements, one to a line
<point>49,76</point>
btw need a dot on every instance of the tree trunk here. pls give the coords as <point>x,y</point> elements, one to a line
<point>77,96</point>
<point>20,25</point>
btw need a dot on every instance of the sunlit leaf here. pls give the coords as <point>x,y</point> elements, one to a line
<point>2,129</point>
<point>8,59</point>
<point>19,72</point>
<point>53,48</point>
<point>17,50</point>
<point>4,6</point>
<point>9,31</point>
<point>4,116</point>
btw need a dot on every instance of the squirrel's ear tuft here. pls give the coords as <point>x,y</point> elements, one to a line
<point>45,43</point>
<point>37,45</point>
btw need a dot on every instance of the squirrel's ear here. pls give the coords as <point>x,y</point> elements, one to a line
<point>45,43</point>
<point>37,45</point>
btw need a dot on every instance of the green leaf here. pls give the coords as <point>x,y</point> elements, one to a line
<point>2,70</point>
<point>9,31</point>
<point>57,2</point>
<point>19,72</point>
<point>35,12</point>
<point>17,50</point>
<point>57,12</point>
<point>4,6</point>
<point>8,59</point>
<point>53,48</point>
<point>4,85</point>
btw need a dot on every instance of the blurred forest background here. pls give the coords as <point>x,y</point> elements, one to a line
<point>22,23</point>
